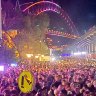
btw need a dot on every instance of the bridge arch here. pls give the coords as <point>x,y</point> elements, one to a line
<point>43,6</point>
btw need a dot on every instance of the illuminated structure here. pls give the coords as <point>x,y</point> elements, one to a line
<point>33,43</point>
<point>44,6</point>
<point>86,43</point>
<point>40,7</point>
<point>70,38</point>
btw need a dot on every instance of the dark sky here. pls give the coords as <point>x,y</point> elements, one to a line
<point>82,12</point>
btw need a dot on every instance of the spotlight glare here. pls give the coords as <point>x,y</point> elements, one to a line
<point>53,59</point>
<point>13,65</point>
<point>29,55</point>
<point>1,68</point>
<point>83,53</point>
<point>79,53</point>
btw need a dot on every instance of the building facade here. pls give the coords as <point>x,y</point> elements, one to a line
<point>86,43</point>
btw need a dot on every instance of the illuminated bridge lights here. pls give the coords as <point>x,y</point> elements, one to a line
<point>43,6</point>
<point>40,3</point>
<point>58,47</point>
<point>62,34</point>
<point>49,39</point>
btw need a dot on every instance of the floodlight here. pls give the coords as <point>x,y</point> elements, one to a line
<point>1,68</point>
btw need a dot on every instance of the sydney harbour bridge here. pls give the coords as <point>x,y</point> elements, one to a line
<point>36,28</point>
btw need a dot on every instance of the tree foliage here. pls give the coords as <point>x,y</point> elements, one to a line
<point>30,30</point>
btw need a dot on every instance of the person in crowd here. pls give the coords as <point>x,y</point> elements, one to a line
<point>51,80</point>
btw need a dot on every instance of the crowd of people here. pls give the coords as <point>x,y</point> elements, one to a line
<point>51,80</point>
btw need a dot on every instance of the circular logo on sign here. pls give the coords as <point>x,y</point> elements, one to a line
<point>26,81</point>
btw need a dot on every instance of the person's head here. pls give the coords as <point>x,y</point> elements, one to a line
<point>63,93</point>
<point>14,92</point>
<point>63,82</point>
<point>86,93</point>
<point>62,76</point>
<point>11,87</point>
<point>92,94</point>
<point>56,92</point>
<point>67,86</point>
<point>53,87</point>
<point>6,92</point>
<point>88,83</point>
<point>57,77</point>
<point>94,83</point>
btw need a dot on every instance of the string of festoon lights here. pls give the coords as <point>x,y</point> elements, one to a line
<point>49,40</point>
<point>58,47</point>
<point>58,33</point>
<point>62,34</point>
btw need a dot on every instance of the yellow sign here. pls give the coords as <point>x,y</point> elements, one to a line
<point>26,81</point>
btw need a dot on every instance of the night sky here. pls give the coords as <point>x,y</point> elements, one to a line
<point>82,12</point>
